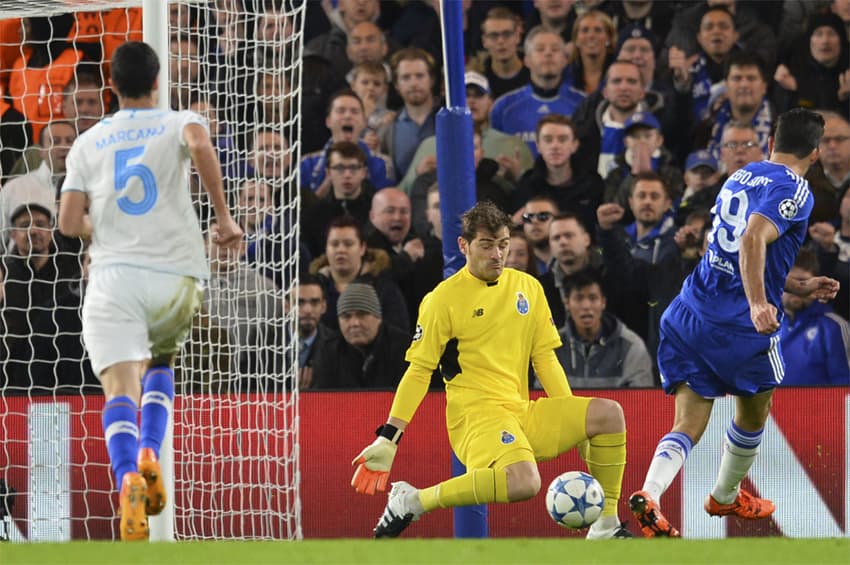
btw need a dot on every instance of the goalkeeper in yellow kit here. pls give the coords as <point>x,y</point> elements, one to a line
<point>482,326</point>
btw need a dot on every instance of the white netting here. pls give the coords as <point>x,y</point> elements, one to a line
<point>236,426</point>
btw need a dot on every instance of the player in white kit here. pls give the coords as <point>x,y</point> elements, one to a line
<point>127,190</point>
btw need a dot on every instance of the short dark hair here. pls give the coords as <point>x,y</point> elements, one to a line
<point>345,92</point>
<point>650,176</point>
<point>718,8</point>
<point>544,198</point>
<point>261,130</point>
<point>346,221</point>
<point>741,58</point>
<point>87,75</point>
<point>483,216</point>
<point>798,132</point>
<point>305,279</point>
<point>582,278</point>
<point>135,67</point>
<point>808,261</point>
<point>346,150</point>
<point>568,215</point>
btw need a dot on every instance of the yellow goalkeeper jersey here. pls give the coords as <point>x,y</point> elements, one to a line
<point>483,334</point>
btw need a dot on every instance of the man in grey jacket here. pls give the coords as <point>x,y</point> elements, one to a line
<point>598,350</point>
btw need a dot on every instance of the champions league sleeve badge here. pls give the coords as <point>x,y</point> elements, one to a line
<point>788,209</point>
<point>521,303</point>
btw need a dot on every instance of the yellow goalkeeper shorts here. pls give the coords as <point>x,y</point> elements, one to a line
<point>499,435</point>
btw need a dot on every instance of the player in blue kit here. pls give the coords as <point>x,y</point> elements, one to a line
<point>721,334</point>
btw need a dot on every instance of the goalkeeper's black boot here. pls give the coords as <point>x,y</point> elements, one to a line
<point>400,511</point>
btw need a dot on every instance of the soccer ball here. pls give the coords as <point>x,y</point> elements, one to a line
<point>574,500</point>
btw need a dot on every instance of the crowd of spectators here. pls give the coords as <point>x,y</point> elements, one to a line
<point>605,128</point>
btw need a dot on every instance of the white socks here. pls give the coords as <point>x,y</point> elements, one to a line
<point>669,457</point>
<point>739,450</point>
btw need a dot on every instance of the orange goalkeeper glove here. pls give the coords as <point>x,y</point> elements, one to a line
<point>374,462</point>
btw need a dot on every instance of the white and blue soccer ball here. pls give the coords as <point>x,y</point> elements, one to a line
<point>574,500</point>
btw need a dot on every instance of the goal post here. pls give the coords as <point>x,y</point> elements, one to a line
<point>233,446</point>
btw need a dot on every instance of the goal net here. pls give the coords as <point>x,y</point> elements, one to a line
<point>235,429</point>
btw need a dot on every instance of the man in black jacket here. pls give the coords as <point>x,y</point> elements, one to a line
<point>367,353</point>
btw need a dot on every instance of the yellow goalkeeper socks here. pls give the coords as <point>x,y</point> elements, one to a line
<point>606,460</point>
<point>478,486</point>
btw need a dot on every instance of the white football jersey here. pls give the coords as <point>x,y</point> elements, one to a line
<point>134,167</point>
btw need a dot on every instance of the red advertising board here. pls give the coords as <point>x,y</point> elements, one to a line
<point>228,468</point>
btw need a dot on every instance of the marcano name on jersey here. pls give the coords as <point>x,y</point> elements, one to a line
<point>133,134</point>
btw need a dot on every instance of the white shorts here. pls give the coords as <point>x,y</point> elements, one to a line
<point>134,314</point>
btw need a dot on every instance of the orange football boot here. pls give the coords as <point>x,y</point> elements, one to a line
<point>149,469</point>
<point>744,506</point>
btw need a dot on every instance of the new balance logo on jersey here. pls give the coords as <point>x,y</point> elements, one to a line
<point>478,312</point>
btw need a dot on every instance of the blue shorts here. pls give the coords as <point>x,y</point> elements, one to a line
<point>715,360</point>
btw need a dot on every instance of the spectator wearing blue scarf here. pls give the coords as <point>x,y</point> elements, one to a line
<point>745,102</point>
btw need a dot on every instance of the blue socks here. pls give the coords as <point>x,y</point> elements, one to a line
<point>122,435</point>
<point>157,399</point>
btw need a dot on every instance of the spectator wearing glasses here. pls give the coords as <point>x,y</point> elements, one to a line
<point>350,194</point>
<point>739,146</point>
<point>501,33</point>
<point>536,216</point>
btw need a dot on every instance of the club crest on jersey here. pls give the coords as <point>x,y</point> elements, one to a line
<point>507,437</point>
<point>521,303</point>
<point>788,209</point>
<point>417,334</point>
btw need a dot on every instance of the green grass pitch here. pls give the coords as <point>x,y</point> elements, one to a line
<point>744,551</point>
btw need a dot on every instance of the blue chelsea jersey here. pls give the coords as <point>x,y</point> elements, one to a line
<point>518,111</point>
<point>715,289</point>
